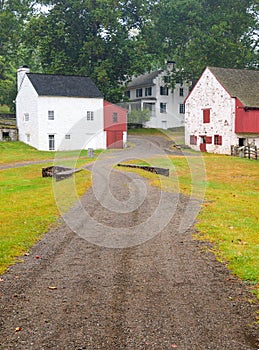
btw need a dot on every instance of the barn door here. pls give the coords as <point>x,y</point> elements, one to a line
<point>114,139</point>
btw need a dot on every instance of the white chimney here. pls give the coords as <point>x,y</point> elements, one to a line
<point>21,71</point>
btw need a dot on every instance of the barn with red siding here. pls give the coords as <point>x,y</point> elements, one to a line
<point>115,125</point>
<point>222,110</point>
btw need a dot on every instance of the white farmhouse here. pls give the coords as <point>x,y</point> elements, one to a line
<point>222,110</point>
<point>57,112</point>
<point>151,91</point>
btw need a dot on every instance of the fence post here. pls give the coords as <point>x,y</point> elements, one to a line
<point>249,150</point>
<point>256,153</point>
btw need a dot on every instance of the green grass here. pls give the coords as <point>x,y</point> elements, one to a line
<point>28,207</point>
<point>12,152</point>
<point>230,214</point>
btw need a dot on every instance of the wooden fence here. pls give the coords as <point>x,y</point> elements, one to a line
<point>250,152</point>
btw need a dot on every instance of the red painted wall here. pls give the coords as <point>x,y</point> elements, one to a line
<point>246,121</point>
<point>121,124</point>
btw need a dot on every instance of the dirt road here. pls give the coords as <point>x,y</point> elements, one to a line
<point>136,290</point>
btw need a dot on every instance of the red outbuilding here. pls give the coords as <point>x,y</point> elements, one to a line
<point>115,125</point>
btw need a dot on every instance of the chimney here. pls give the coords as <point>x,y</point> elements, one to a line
<point>170,65</point>
<point>21,71</point>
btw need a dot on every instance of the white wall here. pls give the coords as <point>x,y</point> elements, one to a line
<point>26,102</point>
<point>209,93</point>
<point>70,118</point>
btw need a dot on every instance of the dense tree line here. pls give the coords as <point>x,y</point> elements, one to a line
<point>111,40</point>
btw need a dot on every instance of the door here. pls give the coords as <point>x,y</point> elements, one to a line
<point>51,142</point>
<point>203,144</point>
<point>114,139</point>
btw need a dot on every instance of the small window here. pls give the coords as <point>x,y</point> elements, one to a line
<point>181,108</point>
<point>162,107</point>
<point>50,115</point>
<point>193,140</point>
<point>138,92</point>
<point>127,93</point>
<point>90,115</point>
<point>163,90</point>
<point>28,137</point>
<point>181,92</point>
<point>26,117</point>
<point>206,115</point>
<point>115,117</point>
<point>148,91</point>
<point>67,137</point>
<point>217,140</point>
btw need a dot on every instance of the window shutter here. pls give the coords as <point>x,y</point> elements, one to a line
<point>208,139</point>
<point>206,116</point>
<point>219,140</point>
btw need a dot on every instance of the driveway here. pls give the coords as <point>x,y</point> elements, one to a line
<point>122,271</point>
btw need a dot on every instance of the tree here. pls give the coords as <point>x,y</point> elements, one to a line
<point>92,38</point>
<point>200,33</point>
<point>139,116</point>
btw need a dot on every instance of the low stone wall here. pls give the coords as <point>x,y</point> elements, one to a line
<point>152,169</point>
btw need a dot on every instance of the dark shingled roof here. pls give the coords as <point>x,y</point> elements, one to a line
<point>144,80</point>
<point>240,83</point>
<point>64,85</point>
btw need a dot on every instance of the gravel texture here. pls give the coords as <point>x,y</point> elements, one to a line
<point>167,292</point>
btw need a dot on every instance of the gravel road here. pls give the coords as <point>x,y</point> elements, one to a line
<point>149,285</point>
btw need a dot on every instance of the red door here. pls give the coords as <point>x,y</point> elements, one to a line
<point>203,144</point>
<point>114,139</point>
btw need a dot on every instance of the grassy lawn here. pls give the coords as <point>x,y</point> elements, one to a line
<point>12,152</point>
<point>28,206</point>
<point>230,214</point>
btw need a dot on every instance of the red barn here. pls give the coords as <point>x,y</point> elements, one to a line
<point>115,125</point>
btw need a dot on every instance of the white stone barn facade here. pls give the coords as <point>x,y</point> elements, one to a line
<point>223,110</point>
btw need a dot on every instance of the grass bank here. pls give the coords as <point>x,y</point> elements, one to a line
<point>28,206</point>
<point>230,213</point>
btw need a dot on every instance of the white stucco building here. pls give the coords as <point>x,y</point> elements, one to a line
<point>57,112</point>
<point>222,110</point>
<point>151,91</point>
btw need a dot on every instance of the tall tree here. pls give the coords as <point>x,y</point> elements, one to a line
<point>94,38</point>
<point>197,33</point>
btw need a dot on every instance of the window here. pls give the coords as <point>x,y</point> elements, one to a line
<point>138,92</point>
<point>181,91</point>
<point>193,140</point>
<point>217,140</point>
<point>28,137</point>
<point>206,115</point>
<point>163,90</point>
<point>127,93</point>
<point>90,115</point>
<point>51,142</point>
<point>148,91</point>
<point>181,108</point>
<point>26,117</point>
<point>67,137</point>
<point>50,115</point>
<point>115,117</point>
<point>162,107</point>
